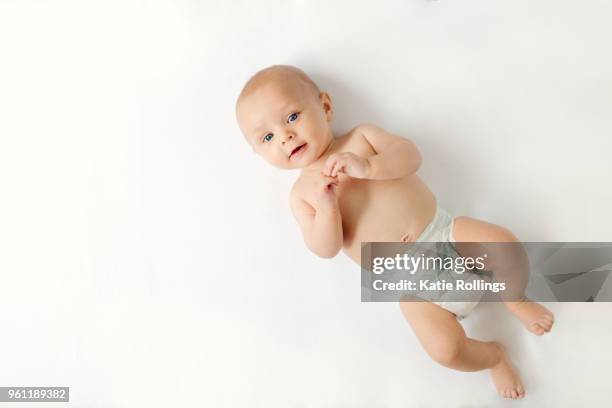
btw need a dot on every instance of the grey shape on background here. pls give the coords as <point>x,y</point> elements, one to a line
<point>577,257</point>
<point>562,277</point>
<point>572,271</point>
<point>540,254</point>
<point>580,289</point>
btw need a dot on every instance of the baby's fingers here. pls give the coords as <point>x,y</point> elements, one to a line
<point>338,167</point>
<point>329,167</point>
<point>330,163</point>
<point>328,180</point>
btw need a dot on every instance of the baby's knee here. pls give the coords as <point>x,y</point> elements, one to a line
<point>467,229</point>
<point>503,234</point>
<point>447,352</point>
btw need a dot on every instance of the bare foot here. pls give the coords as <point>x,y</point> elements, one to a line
<point>535,317</point>
<point>506,380</point>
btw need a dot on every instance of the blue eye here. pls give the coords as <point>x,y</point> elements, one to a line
<point>268,137</point>
<point>293,117</point>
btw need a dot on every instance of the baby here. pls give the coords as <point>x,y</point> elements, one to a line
<point>363,187</point>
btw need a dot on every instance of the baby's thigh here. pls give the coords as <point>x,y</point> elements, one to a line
<point>437,329</point>
<point>477,239</point>
<point>468,229</point>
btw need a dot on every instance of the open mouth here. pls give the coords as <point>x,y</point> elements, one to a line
<point>297,150</point>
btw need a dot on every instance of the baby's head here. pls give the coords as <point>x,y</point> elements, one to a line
<point>284,117</point>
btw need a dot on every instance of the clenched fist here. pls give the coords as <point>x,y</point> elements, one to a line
<point>347,163</point>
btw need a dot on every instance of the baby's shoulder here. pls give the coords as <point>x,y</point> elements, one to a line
<point>354,140</point>
<point>354,134</point>
<point>299,197</point>
<point>299,188</point>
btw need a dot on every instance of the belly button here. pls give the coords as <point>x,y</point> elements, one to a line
<point>406,238</point>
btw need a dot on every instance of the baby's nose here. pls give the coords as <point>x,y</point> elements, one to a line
<point>287,138</point>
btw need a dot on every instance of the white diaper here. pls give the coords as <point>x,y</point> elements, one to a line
<point>440,229</point>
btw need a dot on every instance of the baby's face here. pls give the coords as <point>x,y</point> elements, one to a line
<point>286,123</point>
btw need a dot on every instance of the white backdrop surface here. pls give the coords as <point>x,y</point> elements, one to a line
<point>148,258</point>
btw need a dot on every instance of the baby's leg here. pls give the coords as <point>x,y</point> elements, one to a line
<point>513,269</point>
<point>444,339</point>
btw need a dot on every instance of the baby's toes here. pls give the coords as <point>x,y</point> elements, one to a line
<point>537,329</point>
<point>547,324</point>
<point>521,392</point>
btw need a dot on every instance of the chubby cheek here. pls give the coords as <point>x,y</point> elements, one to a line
<point>277,160</point>
<point>317,132</point>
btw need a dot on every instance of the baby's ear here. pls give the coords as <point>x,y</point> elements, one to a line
<point>328,107</point>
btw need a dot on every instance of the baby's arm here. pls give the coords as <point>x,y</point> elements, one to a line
<point>320,221</point>
<point>394,157</point>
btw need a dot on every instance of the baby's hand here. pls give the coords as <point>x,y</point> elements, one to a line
<point>326,188</point>
<point>347,163</point>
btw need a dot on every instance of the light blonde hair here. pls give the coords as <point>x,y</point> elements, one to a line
<point>288,72</point>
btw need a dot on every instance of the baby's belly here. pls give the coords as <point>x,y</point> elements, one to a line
<point>381,211</point>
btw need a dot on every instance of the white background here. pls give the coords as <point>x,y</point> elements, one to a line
<point>149,258</point>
